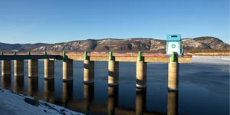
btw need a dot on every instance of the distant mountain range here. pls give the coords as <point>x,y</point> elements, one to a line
<point>121,45</point>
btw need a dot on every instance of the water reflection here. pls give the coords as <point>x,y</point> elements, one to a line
<point>49,90</point>
<point>88,96</point>
<point>87,105</point>
<point>33,87</point>
<point>112,99</point>
<point>19,84</point>
<point>97,101</point>
<point>172,103</point>
<point>67,92</point>
<point>6,81</point>
<point>140,101</point>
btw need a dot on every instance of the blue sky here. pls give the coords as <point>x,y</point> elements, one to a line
<point>52,21</point>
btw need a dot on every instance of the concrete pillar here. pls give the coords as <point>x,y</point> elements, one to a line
<point>88,96</point>
<point>173,73</point>
<point>172,103</point>
<point>140,101</point>
<point>33,87</point>
<point>18,68</point>
<point>19,84</point>
<point>88,71</point>
<point>6,67</point>
<point>113,70</point>
<point>33,68</point>
<point>112,99</point>
<point>49,90</point>
<point>67,92</point>
<point>48,69</point>
<point>6,81</point>
<point>67,70</point>
<point>141,72</point>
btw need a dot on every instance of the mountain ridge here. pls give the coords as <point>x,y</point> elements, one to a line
<point>206,43</point>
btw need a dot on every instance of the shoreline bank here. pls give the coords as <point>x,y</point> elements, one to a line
<point>17,104</point>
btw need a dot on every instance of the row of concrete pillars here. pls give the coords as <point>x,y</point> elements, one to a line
<point>113,70</point>
<point>32,68</point>
<point>88,89</point>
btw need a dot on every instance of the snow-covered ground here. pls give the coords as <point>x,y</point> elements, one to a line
<point>13,104</point>
<point>218,60</point>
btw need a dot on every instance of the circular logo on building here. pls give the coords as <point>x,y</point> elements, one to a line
<point>173,46</point>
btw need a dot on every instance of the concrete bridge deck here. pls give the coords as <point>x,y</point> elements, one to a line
<point>120,57</point>
<point>131,57</point>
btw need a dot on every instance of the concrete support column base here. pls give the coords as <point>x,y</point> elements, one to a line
<point>88,71</point>
<point>113,69</point>
<point>48,69</point>
<point>33,68</point>
<point>141,71</point>
<point>18,68</point>
<point>6,67</point>
<point>67,70</point>
<point>173,76</point>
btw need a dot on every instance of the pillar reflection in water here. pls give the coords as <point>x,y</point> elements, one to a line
<point>67,92</point>
<point>19,84</point>
<point>172,103</point>
<point>49,90</point>
<point>6,81</point>
<point>33,86</point>
<point>140,101</point>
<point>88,96</point>
<point>112,99</point>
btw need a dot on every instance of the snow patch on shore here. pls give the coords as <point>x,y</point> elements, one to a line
<point>14,104</point>
<point>217,60</point>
